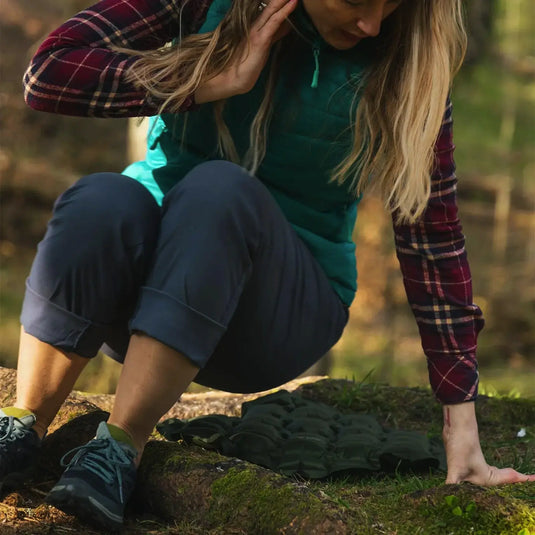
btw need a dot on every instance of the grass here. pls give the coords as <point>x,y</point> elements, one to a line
<point>416,505</point>
<point>495,380</point>
<point>410,503</point>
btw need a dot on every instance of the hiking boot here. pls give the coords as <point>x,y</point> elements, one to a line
<point>19,446</point>
<point>98,481</point>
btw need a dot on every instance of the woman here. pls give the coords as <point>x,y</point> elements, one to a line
<point>244,275</point>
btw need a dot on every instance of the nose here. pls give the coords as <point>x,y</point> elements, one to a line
<point>370,21</point>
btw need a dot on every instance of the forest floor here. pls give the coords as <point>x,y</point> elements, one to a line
<point>228,496</point>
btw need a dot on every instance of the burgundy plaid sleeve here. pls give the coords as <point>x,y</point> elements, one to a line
<point>438,283</point>
<point>75,72</point>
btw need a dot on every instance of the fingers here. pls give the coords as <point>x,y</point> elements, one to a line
<point>508,475</point>
<point>268,28</point>
<point>492,477</point>
<point>274,14</point>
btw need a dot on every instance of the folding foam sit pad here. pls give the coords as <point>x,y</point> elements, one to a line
<point>295,436</point>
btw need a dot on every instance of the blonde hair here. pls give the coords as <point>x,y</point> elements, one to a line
<point>397,117</point>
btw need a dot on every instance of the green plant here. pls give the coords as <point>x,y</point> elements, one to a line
<point>453,503</point>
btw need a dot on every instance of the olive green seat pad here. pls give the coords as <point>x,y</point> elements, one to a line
<point>296,436</point>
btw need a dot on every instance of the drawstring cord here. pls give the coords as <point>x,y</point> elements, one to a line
<point>316,75</point>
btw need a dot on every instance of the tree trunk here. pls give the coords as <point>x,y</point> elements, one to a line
<point>479,22</point>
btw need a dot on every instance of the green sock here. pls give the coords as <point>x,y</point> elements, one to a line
<point>16,412</point>
<point>120,435</point>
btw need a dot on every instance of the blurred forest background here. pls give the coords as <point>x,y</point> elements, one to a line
<point>494,110</point>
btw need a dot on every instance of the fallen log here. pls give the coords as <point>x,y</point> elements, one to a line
<point>179,483</point>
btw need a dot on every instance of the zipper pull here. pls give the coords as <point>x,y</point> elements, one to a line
<point>316,75</point>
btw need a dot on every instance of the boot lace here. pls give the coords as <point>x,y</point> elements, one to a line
<point>103,457</point>
<point>10,431</point>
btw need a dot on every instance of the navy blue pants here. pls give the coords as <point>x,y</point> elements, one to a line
<point>217,273</point>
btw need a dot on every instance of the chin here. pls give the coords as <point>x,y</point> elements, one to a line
<point>342,46</point>
<point>343,41</point>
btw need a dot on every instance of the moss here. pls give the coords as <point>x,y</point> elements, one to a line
<point>260,504</point>
<point>413,408</point>
<point>393,505</point>
<point>412,403</point>
<point>178,456</point>
<point>469,509</point>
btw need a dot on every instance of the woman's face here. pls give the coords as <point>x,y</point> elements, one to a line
<point>343,23</point>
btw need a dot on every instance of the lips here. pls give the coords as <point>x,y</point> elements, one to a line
<point>351,36</point>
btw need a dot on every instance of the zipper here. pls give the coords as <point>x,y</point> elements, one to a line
<point>313,39</point>
<point>316,75</point>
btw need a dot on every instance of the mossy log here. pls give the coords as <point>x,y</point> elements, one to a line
<point>215,492</point>
<point>189,491</point>
<point>177,482</point>
<point>187,484</point>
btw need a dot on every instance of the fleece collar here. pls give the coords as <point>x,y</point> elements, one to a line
<point>305,27</point>
<point>306,30</point>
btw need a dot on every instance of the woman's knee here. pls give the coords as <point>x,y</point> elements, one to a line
<point>102,201</point>
<point>97,247</point>
<point>222,184</point>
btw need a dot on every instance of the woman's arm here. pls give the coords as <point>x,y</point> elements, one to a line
<point>75,72</point>
<point>439,288</point>
<point>438,282</point>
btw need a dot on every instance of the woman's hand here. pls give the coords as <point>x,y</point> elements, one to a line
<point>463,451</point>
<point>241,76</point>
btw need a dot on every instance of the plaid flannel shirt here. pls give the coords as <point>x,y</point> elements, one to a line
<point>75,72</point>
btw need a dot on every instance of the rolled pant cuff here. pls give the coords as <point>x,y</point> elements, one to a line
<point>58,327</point>
<point>177,325</point>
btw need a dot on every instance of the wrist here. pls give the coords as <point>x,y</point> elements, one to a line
<point>219,87</point>
<point>459,415</point>
<point>460,423</point>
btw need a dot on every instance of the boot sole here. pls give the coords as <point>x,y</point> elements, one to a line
<point>77,501</point>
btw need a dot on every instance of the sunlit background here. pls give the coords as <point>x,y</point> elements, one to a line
<point>494,113</point>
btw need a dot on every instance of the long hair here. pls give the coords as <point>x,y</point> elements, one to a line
<point>396,119</point>
<point>421,47</point>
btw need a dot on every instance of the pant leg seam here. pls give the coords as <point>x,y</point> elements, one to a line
<point>181,303</point>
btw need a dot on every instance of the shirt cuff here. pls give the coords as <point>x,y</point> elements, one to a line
<point>454,379</point>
